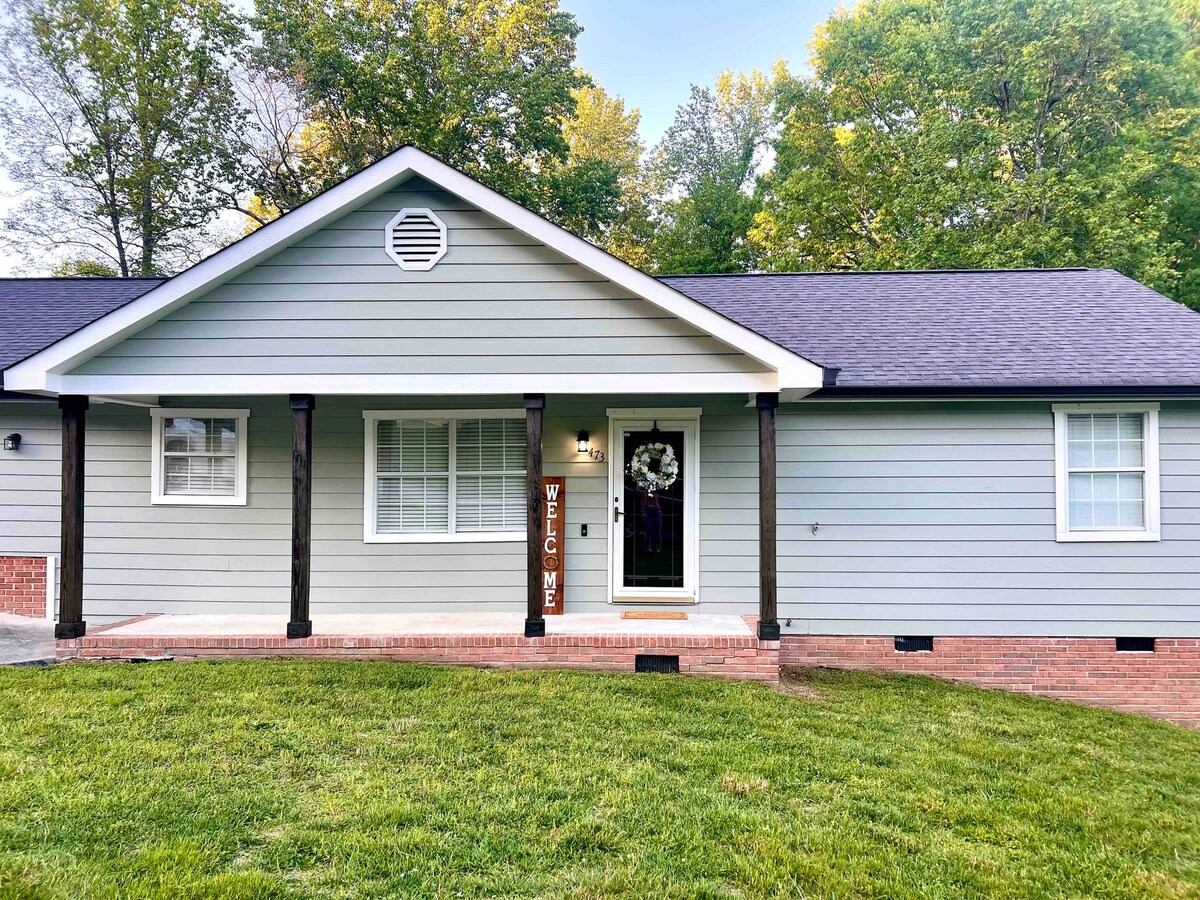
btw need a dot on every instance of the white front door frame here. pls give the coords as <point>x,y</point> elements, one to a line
<point>687,420</point>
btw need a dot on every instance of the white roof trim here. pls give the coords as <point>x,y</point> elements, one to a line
<point>36,373</point>
<point>218,385</point>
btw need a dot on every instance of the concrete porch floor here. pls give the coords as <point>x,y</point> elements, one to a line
<point>466,623</point>
<point>725,646</point>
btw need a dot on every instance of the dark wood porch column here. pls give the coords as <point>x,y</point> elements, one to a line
<point>300,625</point>
<point>70,609</point>
<point>535,404</point>
<point>768,621</point>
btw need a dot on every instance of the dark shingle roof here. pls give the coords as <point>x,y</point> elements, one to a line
<point>974,329</point>
<point>1018,328</point>
<point>36,312</point>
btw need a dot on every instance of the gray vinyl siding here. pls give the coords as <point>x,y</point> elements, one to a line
<point>498,303</point>
<point>30,480</point>
<point>141,558</point>
<point>939,519</point>
<point>933,519</point>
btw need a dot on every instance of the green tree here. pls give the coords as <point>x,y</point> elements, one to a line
<point>603,175</point>
<point>989,133</point>
<point>484,86</point>
<point>83,268</point>
<point>120,126</point>
<point>705,167</point>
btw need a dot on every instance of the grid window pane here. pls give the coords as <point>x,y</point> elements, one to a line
<point>413,504</point>
<point>412,445</point>
<point>189,435</point>
<point>199,456</point>
<point>415,470</point>
<point>490,487</point>
<point>198,476</point>
<point>412,462</point>
<point>1106,500</point>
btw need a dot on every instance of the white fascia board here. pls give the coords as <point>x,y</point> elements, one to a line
<point>36,373</point>
<point>481,385</point>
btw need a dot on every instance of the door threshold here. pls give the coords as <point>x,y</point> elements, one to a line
<point>674,601</point>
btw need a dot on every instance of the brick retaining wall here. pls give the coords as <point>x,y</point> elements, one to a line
<point>23,585</point>
<point>729,657</point>
<point>1164,684</point>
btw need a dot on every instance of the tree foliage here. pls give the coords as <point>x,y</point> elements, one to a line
<point>120,128</point>
<point>989,133</point>
<point>705,168</point>
<point>605,149</point>
<point>483,86</point>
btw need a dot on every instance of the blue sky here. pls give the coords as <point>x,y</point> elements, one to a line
<point>650,51</point>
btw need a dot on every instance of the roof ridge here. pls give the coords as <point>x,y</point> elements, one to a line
<point>59,278</point>
<point>1026,270</point>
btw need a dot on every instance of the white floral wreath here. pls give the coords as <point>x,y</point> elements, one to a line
<point>642,466</point>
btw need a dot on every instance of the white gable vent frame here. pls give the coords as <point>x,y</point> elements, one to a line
<point>415,239</point>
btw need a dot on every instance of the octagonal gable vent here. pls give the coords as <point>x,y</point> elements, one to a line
<point>415,239</point>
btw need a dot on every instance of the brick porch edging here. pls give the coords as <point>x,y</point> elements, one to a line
<point>744,658</point>
<point>23,585</point>
<point>1164,684</point>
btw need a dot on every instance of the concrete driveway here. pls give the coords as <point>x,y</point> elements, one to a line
<point>24,640</point>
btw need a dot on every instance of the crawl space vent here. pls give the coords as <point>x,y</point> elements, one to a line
<point>1135,645</point>
<point>655,662</point>
<point>415,239</point>
<point>908,644</point>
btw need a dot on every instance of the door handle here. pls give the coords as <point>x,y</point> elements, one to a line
<point>616,511</point>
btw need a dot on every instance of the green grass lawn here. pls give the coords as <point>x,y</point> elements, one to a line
<point>314,779</point>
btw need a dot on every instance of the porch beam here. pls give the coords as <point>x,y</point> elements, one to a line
<point>768,581</point>
<point>535,405</point>
<point>70,609</point>
<point>300,623</point>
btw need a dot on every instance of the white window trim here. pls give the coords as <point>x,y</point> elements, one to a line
<point>157,483</point>
<point>1152,531</point>
<point>370,481</point>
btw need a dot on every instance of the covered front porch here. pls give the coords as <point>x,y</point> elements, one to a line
<point>477,617</point>
<point>722,645</point>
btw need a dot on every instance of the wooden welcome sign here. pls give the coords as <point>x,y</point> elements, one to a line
<point>554,505</point>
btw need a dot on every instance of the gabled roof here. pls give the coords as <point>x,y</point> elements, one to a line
<point>36,312</point>
<point>967,329</point>
<point>44,371</point>
<point>962,330</point>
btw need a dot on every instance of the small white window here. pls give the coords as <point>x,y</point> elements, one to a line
<point>1106,472</point>
<point>444,476</point>
<point>198,456</point>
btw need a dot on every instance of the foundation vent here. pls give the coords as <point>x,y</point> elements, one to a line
<point>656,662</point>
<point>415,239</point>
<point>913,644</point>
<point>1135,645</point>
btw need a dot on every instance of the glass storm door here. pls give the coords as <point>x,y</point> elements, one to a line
<point>655,527</point>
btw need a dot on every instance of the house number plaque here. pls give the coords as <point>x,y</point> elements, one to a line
<point>554,504</point>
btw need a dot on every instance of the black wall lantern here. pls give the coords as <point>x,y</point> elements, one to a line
<point>583,441</point>
<point>12,442</point>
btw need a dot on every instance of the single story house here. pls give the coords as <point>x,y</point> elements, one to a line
<point>424,416</point>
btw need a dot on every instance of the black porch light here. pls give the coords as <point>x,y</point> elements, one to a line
<point>12,442</point>
<point>582,438</point>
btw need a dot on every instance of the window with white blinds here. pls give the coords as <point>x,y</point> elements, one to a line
<point>199,456</point>
<point>1107,472</point>
<point>445,476</point>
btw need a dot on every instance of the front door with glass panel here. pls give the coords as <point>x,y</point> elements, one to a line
<point>654,515</point>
